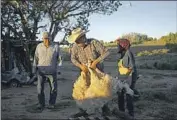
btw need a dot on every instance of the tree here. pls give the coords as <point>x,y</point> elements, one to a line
<point>21,18</point>
<point>136,38</point>
<point>171,38</point>
<point>155,39</point>
<point>102,41</point>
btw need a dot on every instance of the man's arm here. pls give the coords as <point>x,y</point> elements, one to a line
<point>59,56</point>
<point>131,60</point>
<point>74,57</point>
<point>75,60</point>
<point>102,50</point>
<point>35,62</point>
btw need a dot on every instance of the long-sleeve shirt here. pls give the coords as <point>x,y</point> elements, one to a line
<point>93,50</point>
<point>128,62</point>
<point>46,59</point>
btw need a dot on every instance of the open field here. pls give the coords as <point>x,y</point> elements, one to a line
<point>158,89</point>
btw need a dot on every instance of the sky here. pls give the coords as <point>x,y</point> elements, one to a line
<point>153,18</point>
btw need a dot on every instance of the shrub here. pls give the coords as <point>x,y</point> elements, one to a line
<point>158,95</point>
<point>172,47</point>
<point>154,42</point>
<point>153,52</point>
<point>165,66</point>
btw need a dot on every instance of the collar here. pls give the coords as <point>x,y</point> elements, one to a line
<point>45,46</point>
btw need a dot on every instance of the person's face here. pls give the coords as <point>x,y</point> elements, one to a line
<point>81,41</point>
<point>118,48</point>
<point>44,39</point>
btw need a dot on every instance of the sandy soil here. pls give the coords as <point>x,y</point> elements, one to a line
<point>158,89</point>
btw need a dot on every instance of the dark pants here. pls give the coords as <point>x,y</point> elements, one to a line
<point>53,89</point>
<point>129,101</point>
<point>123,97</point>
<point>133,79</point>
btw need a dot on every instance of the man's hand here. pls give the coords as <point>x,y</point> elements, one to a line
<point>129,71</point>
<point>83,68</point>
<point>94,63</point>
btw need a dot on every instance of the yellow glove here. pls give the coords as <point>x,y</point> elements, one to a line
<point>83,68</point>
<point>94,63</point>
<point>130,71</point>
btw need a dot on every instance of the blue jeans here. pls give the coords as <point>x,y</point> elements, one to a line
<point>53,88</point>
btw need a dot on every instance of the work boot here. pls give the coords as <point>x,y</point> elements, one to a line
<point>41,99</point>
<point>121,101</point>
<point>136,94</point>
<point>130,105</point>
<point>39,108</point>
<point>80,113</point>
<point>50,106</point>
<point>131,115</point>
<point>106,111</point>
<point>120,114</point>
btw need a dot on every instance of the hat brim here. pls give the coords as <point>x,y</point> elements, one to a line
<point>74,37</point>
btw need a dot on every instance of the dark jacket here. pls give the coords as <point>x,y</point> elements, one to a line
<point>129,62</point>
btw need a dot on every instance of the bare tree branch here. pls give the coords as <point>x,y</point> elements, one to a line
<point>5,24</point>
<point>81,13</point>
<point>42,26</point>
<point>75,7</point>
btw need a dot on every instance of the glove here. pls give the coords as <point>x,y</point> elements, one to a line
<point>129,72</point>
<point>83,68</point>
<point>94,63</point>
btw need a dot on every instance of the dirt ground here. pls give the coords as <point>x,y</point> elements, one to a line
<point>158,89</point>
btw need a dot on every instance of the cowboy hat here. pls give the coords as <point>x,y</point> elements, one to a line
<point>75,34</point>
<point>45,35</point>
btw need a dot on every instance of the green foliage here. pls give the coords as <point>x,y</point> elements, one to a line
<point>163,66</point>
<point>172,47</point>
<point>61,15</point>
<point>158,61</point>
<point>170,41</point>
<point>137,38</point>
<point>154,43</point>
<point>154,52</point>
<point>110,44</point>
<point>171,38</point>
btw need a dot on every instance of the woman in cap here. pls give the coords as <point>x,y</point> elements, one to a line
<point>126,71</point>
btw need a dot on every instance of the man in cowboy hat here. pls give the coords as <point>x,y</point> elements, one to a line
<point>84,50</point>
<point>45,63</point>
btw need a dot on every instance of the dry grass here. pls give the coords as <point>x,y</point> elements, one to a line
<point>158,89</point>
<point>152,43</point>
<point>160,62</point>
<point>158,97</point>
<point>153,52</point>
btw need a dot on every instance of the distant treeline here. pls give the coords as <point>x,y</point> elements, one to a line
<point>142,39</point>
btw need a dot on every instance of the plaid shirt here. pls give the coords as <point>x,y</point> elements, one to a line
<point>93,50</point>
